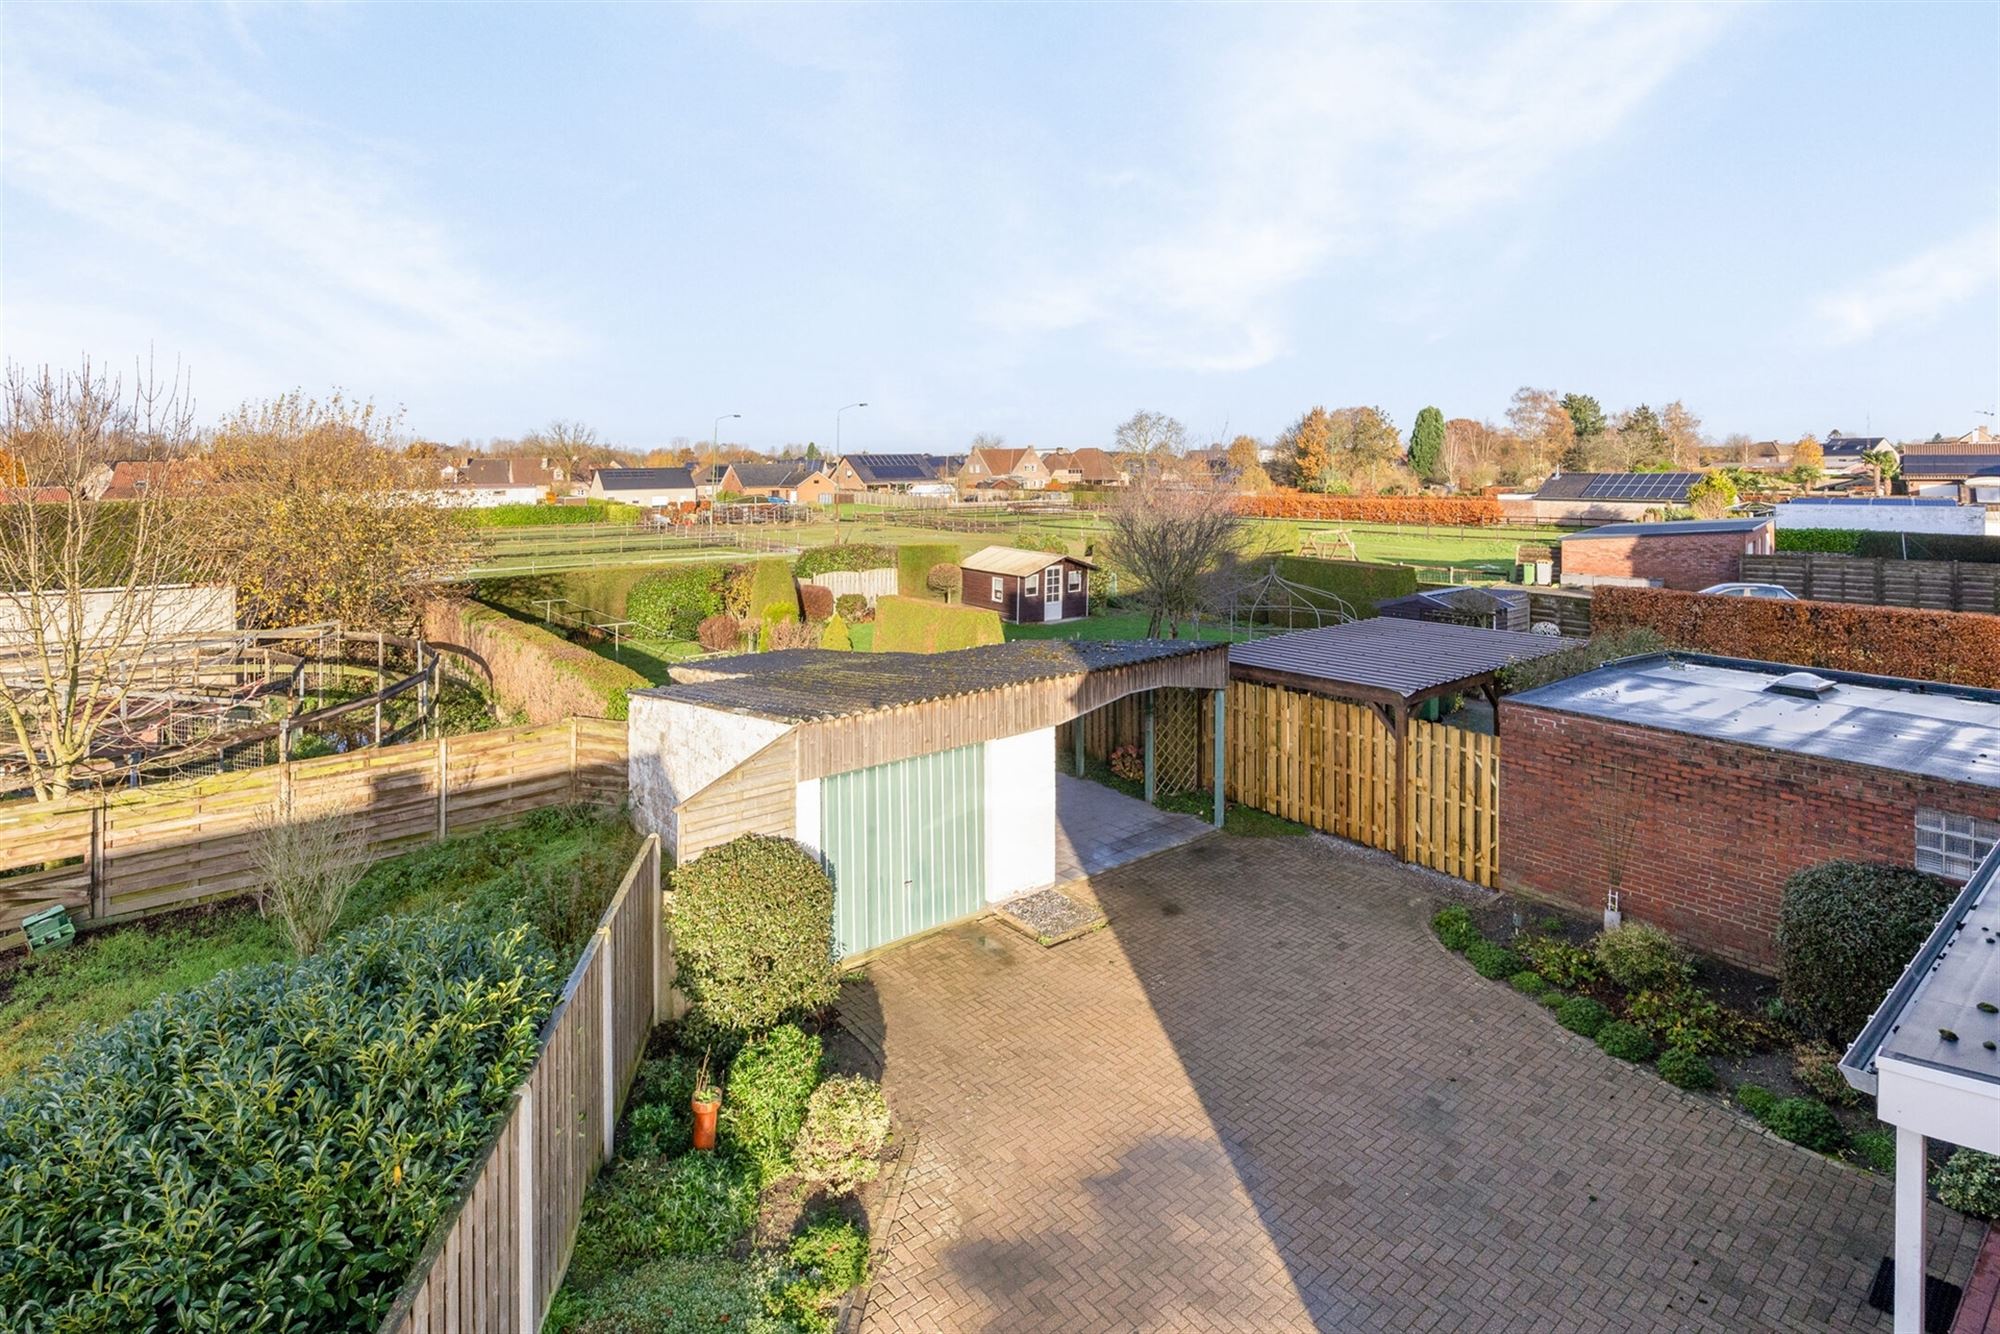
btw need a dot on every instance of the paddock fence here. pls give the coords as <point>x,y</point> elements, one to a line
<point>495,1265</point>
<point>127,853</point>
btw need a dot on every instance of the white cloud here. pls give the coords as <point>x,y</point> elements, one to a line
<point>217,220</point>
<point>1326,136</point>
<point>1915,291</point>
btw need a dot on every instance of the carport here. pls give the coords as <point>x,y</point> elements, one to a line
<point>926,782</point>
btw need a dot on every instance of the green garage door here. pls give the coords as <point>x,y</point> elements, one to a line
<point>905,844</point>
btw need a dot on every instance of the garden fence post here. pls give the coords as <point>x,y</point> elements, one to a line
<point>1221,698</point>
<point>1146,734</point>
<point>524,1207</point>
<point>607,992</point>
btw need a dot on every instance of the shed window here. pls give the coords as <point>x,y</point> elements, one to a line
<point>1075,580</point>
<point>999,589</point>
<point>1953,845</point>
<point>1033,584</point>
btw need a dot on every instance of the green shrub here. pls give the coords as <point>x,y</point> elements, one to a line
<point>1453,925</point>
<point>1581,1014</point>
<point>1845,930</point>
<point>676,599</point>
<point>767,581</point>
<point>753,935</point>
<point>669,1294</point>
<point>843,556</point>
<point>528,515</point>
<point>1806,1121</point>
<point>823,1262</point>
<point>764,1103</point>
<point>915,625</point>
<point>1816,1065</point>
<point>1757,1100</point>
<point>1686,1069</point>
<point>1686,1016</point>
<point>1628,1042</point>
<point>1491,960</point>
<point>1553,998</point>
<point>1970,1183</point>
<point>1876,1148</point>
<point>914,562</point>
<point>1563,964</point>
<point>658,1122</point>
<point>539,675</point>
<point>286,1129</point>
<point>853,608</point>
<point>846,1126</point>
<point>1833,541</point>
<point>836,636</point>
<point>1528,983</point>
<point>1639,957</point>
<point>697,1204</point>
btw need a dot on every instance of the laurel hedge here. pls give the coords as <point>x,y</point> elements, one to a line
<point>1962,648</point>
<point>271,1150</point>
<point>539,675</point>
<point>1452,511</point>
<point>913,625</point>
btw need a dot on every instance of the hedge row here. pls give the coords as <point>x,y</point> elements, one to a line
<point>1962,648</point>
<point>605,589</point>
<point>914,561</point>
<point>912,625</point>
<point>843,556</point>
<point>542,516</point>
<point>539,675</point>
<point>1929,546</point>
<point>1458,511</point>
<point>1358,583</point>
<point>1831,541</point>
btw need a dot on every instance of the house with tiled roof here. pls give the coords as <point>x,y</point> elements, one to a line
<point>790,481</point>
<point>479,482</point>
<point>986,465</point>
<point>651,488</point>
<point>894,472</point>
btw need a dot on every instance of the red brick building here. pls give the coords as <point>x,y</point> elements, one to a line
<point>1695,786</point>
<point>1689,555</point>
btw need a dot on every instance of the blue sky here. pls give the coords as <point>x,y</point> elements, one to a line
<point>1025,220</point>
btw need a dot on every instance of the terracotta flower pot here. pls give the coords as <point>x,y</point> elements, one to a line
<point>704,1123</point>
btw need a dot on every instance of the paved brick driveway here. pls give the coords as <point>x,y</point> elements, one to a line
<point>1265,1100</point>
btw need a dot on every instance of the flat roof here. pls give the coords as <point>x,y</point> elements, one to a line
<point>1895,501</point>
<point>1388,654</point>
<point>1941,991</point>
<point>1884,722</point>
<point>815,685</point>
<point>1677,528</point>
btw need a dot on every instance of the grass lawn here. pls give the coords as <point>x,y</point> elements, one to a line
<point>645,655</point>
<point>106,975</point>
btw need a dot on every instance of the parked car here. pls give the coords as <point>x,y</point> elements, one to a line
<point>1778,591</point>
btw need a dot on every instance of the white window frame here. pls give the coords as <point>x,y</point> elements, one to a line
<point>1032,586</point>
<point>999,589</point>
<point>1953,845</point>
<point>1076,581</point>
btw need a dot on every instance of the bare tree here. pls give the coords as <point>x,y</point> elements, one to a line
<point>988,440</point>
<point>1152,438</point>
<point>88,589</point>
<point>307,864</point>
<point>1174,542</point>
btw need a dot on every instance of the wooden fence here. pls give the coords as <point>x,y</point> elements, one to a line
<point>871,584</point>
<point>127,853</point>
<point>1929,585</point>
<point>495,1265</point>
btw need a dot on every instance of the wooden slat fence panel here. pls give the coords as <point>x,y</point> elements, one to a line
<point>118,855</point>
<point>1930,585</point>
<point>498,1261</point>
<point>1455,790</point>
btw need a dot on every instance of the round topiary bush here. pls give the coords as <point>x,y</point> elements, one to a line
<point>1638,957</point>
<point>943,579</point>
<point>816,602</point>
<point>840,1145</point>
<point>753,936</point>
<point>1970,1183</point>
<point>1628,1042</point>
<point>1686,1069</point>
<point>1581,1014</point>
<point>1845,930</point>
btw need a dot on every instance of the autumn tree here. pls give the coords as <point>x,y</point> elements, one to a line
<point>1427,445</point>
<point>1244,453</point>
<point>1309,443</point>
<point>1711,497</point>
<point>1683,433</point>
<point>1586,415</point>
<point>1151,438</point>
<point>319,518</point>
<point>1173,542</point>
<point>86,587</point>
<point>1643,439</point>
<point>1808,461</point>
<point>1545,427</point>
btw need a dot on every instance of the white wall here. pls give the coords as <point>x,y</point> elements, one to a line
<point>1969,519</point>
<point>805,815</point>
<point>110,614</point>
<point>1020,814</point>
<point>676,749</point>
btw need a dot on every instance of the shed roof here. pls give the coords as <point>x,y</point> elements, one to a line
<point>1015,560</point>
<point>1385,655</point>
<point>813,685</point>
<point>1676,528</point>
<point>1885,722</point>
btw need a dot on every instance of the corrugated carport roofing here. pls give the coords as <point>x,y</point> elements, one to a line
<point>1387,659</point>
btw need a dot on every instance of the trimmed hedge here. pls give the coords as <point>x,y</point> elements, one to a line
<point>914,561</point>
<point>676,599</point>
<point>753,935</point>
<point>769,581</point>
<point>843,556</point>
<point>1360,584</point>
<point>1962,648</point>
<point>912,625</point>
<point>1827,541</point>
<point>542,516</point>
<point>539,675</point>
<point>1845,930</point>
<point>272,1149</point>
<point>603,590</point>
<point>1929,546</point>
<point>1452,511</point>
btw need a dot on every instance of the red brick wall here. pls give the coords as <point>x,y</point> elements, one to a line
<point>1706,831</point>
<point>1690,563</point>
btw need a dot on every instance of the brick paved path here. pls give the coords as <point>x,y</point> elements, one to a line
<point>1265,1100</point>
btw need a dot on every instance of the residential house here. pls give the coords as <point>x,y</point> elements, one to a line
<point>1096,468</point>
<point>1963,470</point>
<point>478,482</point>
<point>130,479</point>
<point>789,481</point>
<point>1608,497</point>
<point>1026,587</point>
<point>987,465</point>
<point>1689,555</point>
<point>1062,467</point>
<point>894,472</point>
<point>649,487</point>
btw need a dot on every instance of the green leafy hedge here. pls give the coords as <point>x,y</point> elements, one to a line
<point>541,516</point>
<point>911,625</point>
<point>270,1150</point>
<point>540,675</point>
<point>770,581</point>
<point>753,935</point>
<point>1358,583</point>
<point>676,599</point>
<point>913,565</point>
<point>1831,541</point>
<point>843,556</point>
<point>603,590</point>
<point>1845,930</point>
<point>764,1102</point>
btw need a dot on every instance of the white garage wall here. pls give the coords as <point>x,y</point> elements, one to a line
<point>805,816</point>
<point>676,749</point>
<point>1892,518</point>
<point>1020,814</point>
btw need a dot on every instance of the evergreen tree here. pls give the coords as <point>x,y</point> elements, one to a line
<point>1427,445</point>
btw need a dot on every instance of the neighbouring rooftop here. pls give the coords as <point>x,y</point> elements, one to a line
<point>1388,657</point>
<point>1947,732</point>
<point>1678,528</point>
<point>1016,561</point>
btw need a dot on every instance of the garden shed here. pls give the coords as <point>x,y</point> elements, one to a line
<point>1482,608</point>
<point>1691,786</point>
<point>1026,587</point>
<point>927,782</point>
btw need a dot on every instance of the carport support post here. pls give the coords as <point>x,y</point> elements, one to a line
<point>1146,740</point>
<point>1076,742</point>
<point>1911,1174</point>
<point>1221,698</point>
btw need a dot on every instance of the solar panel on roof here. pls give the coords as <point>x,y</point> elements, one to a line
<point>1640,485</point>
